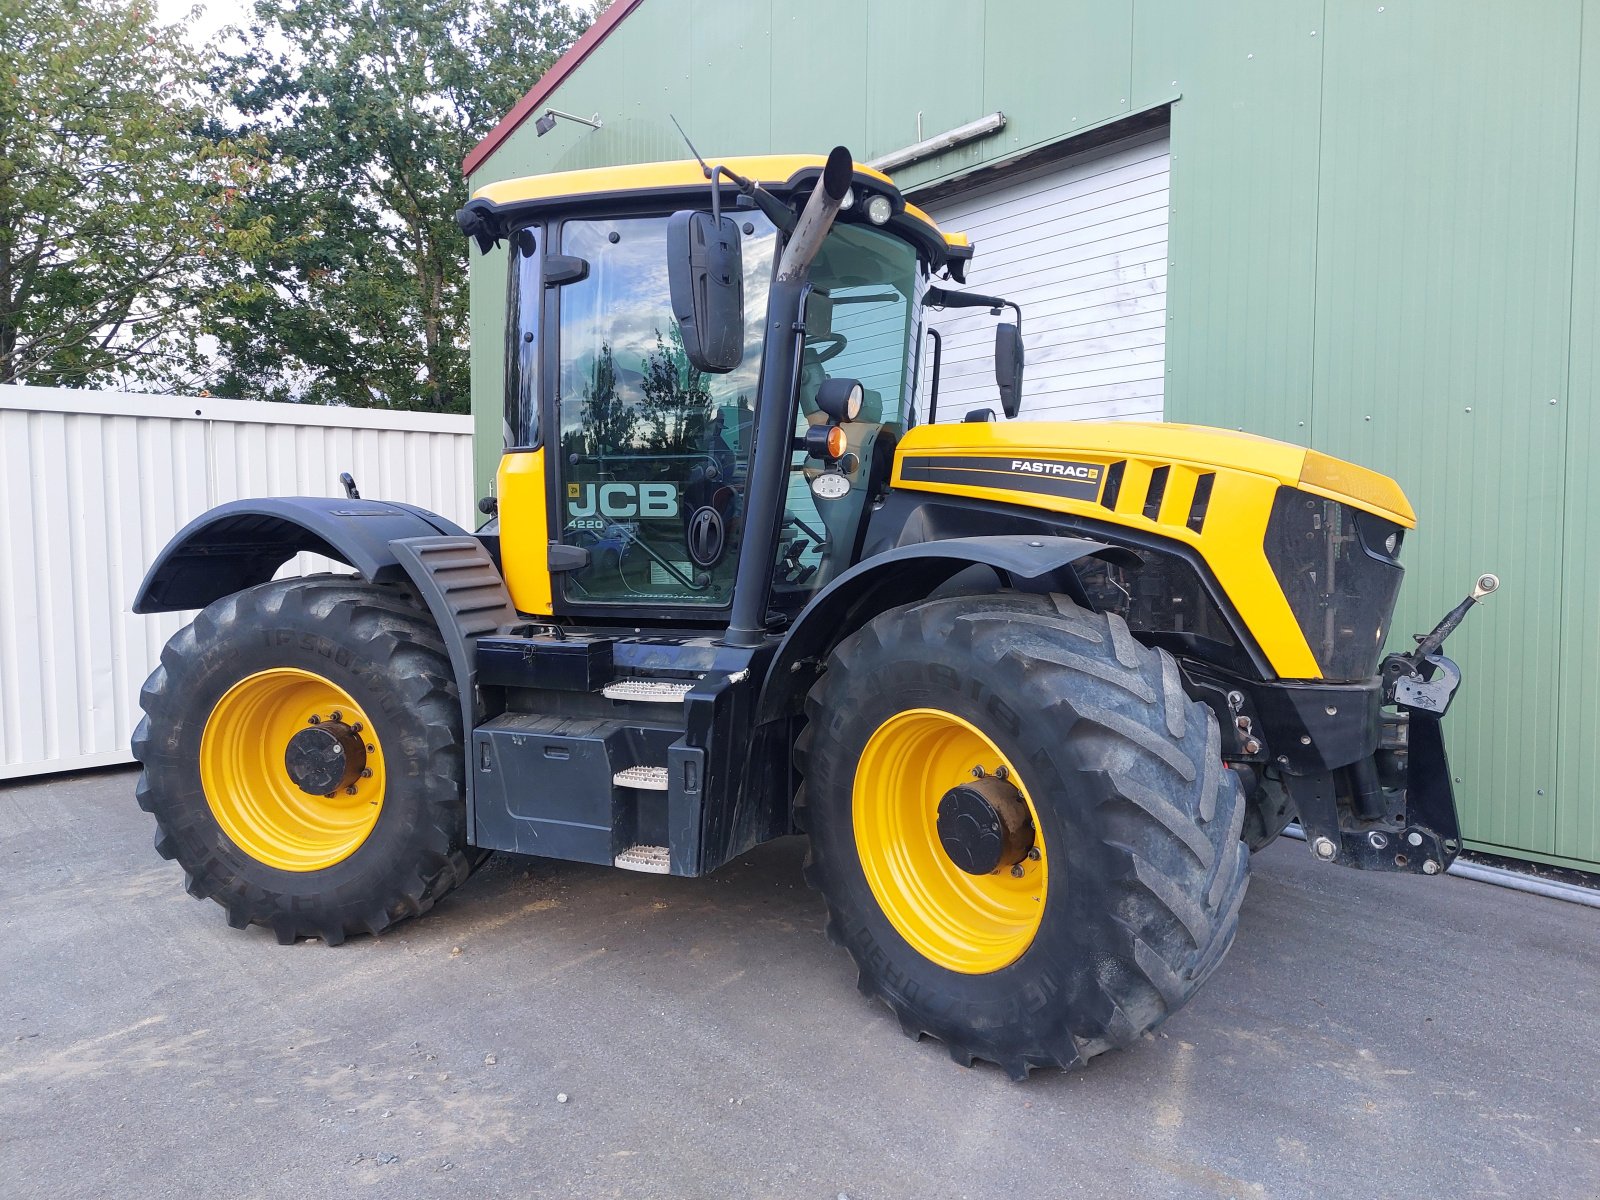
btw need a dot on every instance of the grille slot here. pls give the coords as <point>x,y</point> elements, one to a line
<point>1113,487</point>
<point>1158,489</point>
<point>1201,501</point>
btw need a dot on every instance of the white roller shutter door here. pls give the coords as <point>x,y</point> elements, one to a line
<point>1081,245</point>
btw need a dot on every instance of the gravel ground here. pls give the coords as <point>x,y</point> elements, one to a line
<point>1367,1037</point>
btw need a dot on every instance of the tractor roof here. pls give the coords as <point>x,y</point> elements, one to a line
<point>780,173</point>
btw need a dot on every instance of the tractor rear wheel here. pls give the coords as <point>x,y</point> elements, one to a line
<point>1022,826</point>
<point>302,754</point>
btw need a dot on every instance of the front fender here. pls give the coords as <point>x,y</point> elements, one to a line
<point>902,576</point>
<point>243,543</point>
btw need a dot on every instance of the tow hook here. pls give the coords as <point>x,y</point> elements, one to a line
<point>1425,680</point>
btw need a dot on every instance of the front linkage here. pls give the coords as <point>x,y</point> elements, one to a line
<point>1363,763</point>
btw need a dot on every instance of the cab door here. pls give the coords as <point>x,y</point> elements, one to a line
<point>651,454</point>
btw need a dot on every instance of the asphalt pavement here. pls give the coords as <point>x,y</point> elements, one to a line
<point>1368,1036</point>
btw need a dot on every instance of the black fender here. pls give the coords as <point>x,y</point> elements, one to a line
<point>244,542</point>
<point>902,576</point>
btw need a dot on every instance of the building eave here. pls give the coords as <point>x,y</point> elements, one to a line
<point>548,82</point>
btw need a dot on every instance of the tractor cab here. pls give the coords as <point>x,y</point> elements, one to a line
<point>631,418</point>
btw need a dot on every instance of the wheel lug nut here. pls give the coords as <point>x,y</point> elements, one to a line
<point>371,749</point>
<point>366,773</point>
<point>351,790</point>
<point>1034,855</point>
<point>336,716</point>
<point>977,772</point>
<point>1001,772</point>
<point>313,719</point>
<point>1016,871</point>
<point>356,728</point>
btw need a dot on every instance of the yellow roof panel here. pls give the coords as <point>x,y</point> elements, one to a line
<point>772,169</point>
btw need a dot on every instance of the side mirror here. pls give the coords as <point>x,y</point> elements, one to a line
<point>705,271</point>
<point>1008,366</point>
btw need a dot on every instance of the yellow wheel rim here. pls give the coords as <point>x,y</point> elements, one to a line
<point>248,784</point>
<point>973,924</point>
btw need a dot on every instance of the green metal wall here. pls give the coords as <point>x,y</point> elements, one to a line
<point>1384,239</point>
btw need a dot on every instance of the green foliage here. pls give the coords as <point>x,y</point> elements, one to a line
<point>368,108</point>
<point>109,201</point>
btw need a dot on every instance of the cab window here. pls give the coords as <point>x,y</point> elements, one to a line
<point>522,328</point>
<point>653,453</point>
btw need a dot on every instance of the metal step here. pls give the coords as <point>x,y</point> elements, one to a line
<point>646,779</point>
<point>648,691</point>
<point>652,860</point>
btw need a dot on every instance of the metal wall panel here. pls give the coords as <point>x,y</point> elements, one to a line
<point>1577,797</point>
<point>1082,247</point>
<point>92,486</point>
<point>1444,259</point>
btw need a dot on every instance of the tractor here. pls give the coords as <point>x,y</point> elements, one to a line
<point>1033,691</point>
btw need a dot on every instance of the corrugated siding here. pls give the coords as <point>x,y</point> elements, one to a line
<point>1577,806</point>
<point>1443,291</point>
<point>92,486</point>
<point>1082,247</point>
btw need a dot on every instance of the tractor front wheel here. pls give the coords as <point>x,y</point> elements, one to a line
<point>1022,826</point>
<point>302,755</point>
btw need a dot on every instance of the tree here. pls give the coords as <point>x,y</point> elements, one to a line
<point>109,201</point>
<point>369,107</point>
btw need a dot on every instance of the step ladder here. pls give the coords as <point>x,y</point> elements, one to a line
<point>648,691</point>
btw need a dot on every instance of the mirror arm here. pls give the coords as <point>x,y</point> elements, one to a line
<point>779,213</point>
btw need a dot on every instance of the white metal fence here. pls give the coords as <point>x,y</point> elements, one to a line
<point>93,484</point>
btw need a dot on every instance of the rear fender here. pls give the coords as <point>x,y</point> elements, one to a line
<point>243,543</point>
<point>902,576</point>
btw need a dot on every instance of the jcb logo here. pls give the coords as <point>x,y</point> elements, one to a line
<point>622,499</point>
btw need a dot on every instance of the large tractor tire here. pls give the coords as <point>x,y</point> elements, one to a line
<point>302,753</point>
<point>1022,826</point>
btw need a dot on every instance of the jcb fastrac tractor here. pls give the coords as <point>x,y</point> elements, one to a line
<point>1033,691</point>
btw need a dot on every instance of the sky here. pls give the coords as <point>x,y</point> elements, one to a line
<point>213,16</point>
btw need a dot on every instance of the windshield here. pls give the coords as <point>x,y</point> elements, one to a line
<point>862,324</point>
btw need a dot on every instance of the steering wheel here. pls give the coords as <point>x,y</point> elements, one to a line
<point>832,344</point>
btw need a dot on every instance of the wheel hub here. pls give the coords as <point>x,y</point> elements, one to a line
<point>985,826</point>
<point>325,757</point>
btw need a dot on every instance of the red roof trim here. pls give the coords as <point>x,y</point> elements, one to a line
<point>548,82</point>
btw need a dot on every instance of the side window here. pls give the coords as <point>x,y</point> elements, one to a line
<point>653,453</point>
<point>522,329</point>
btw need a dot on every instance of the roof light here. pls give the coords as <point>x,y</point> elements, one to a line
<point>840,399</point>
<point>879,208</point>
<point>849,200</point>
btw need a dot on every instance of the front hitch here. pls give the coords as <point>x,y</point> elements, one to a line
<point>1425,681</point>
<point>1393,808</point>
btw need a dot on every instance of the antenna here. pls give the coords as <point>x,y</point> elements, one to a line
<point>692,150</point>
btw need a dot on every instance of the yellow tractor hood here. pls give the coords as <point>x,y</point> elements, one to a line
<point>1197,447</point>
